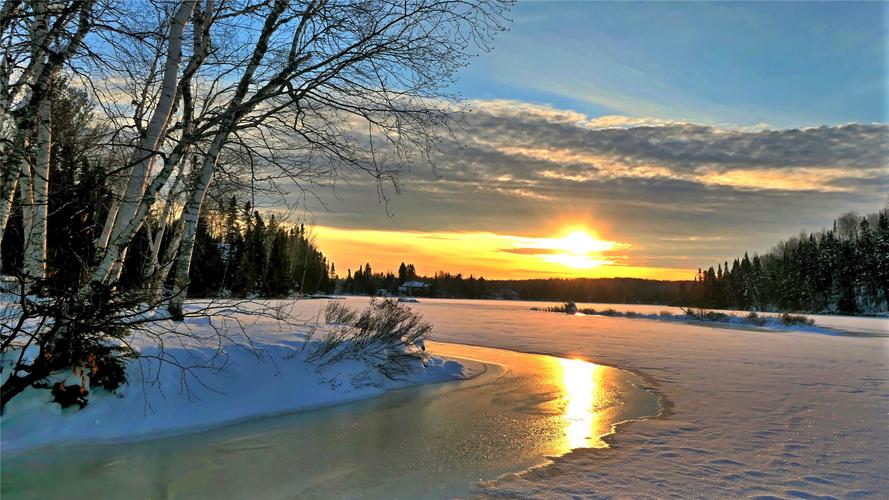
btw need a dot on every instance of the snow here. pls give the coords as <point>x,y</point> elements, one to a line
<point>752,412</point>
<point>227,383</point>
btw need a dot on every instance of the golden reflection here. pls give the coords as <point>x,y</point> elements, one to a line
<point>583,394</point>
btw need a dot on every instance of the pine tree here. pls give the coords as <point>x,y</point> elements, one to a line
<point>866,266</point>
<point>882,256</point>
<point>207,260</point>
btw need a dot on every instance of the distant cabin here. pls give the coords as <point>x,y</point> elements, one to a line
<point>410,287</point>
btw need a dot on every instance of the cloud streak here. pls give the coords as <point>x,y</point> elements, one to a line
<point>680,194</point>
<point>571,147</point>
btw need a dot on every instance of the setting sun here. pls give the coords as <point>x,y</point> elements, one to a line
<point>578,249</point>
<point>581,243</point>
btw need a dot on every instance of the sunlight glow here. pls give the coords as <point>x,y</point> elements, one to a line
<point>582,394</point>
<point>580,243</point>
<point>502,256</point>
<point>580,248</point>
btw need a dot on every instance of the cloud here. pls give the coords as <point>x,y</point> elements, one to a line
<point>622,146</point>
<point>669,188</point>
<point>533,251</point>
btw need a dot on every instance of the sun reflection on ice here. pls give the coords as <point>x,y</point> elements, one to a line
<point>583,394</point>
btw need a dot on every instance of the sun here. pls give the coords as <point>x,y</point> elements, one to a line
<point>579,243</point>
<point>579,249</point>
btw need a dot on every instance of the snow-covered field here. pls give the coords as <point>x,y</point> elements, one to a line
<point>754,413</point>
<point>751,413</point>
<point>223,385</point>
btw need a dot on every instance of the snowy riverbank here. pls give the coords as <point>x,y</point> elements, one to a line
<point>224,383</point>
<point>754,413</point>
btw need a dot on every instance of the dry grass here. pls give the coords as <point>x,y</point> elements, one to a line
<point>386,334</point>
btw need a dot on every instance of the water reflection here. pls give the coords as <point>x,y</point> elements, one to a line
<point>430,442</point>
<point>581,392</point>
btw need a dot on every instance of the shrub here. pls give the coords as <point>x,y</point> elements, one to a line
<point>84,337</point>
<point>716,316</point>
<point>387,334</point>
<point>756,319</point>
<point>796,319</point>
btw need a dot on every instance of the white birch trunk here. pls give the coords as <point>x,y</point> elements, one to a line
<point>26,200</point>
<point>34,259</point>
<point>126,222</point>
<point>156,285</point>
<point>10,174</point>
<point>7,192</point>
<point>191,212</point>
<point>156,270</point>
<point>19,165</point>
<point>190,216</point>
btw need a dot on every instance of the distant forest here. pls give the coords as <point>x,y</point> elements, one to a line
<point>844,269</point>
<point>240,253</point>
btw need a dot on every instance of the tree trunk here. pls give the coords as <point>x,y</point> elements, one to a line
<point>26,201</point>
<point>131,212</point>
<point>10,175</point>
<point>235,111</point>
<point>156,240</point>
<point>34,262</point>
<point>156,283</point>
<point>190,216</point>
<point>7,192</point>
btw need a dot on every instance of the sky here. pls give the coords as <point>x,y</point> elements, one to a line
<point>638,139</point>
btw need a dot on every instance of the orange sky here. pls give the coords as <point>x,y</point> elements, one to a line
<point>570,252</point>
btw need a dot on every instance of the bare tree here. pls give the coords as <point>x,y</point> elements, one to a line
<point>40,38</point>
<point>357,85</point>
<point>303,90</point>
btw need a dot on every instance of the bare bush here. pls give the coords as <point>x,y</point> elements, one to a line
<point>387,335</point>
<point>47,341</point>
<point>796,319</point>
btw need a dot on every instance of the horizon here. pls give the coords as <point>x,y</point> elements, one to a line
<point>650,142</point>
<point>186,185</point>
<point>338,242</point>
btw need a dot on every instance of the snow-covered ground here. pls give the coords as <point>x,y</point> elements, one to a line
<point>225,384</point>
<point>754,413</point>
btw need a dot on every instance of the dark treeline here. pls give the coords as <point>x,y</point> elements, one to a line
<point>455,286</point>
<point>238,253</point>
<point>844,269</point>
<point>442,285</point>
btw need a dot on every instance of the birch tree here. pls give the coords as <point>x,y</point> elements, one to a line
<point>352,85</point>
<point>40,37</point>
<point>305,88</point>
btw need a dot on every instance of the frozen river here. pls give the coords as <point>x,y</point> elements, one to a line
<point>428,441</point>
<point>752,413</point>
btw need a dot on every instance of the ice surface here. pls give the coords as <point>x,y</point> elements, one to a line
<point>754,413</point>
<point>223,384</point>
<point>433,441</point>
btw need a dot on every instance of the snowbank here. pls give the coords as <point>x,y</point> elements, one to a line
<point>223,383</point>
<point>771,321</point>
<point>755,414</point>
